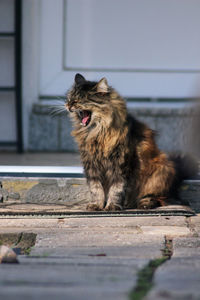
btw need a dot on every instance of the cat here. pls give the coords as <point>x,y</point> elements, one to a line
<point>123,166</point>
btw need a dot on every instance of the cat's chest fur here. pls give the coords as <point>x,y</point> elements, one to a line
<point>107,165</point>
<point>101,159</point>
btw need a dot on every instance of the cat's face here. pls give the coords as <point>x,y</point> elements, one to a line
<point>88,101</point>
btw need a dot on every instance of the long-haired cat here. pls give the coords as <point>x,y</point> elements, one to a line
<point>123,165</point>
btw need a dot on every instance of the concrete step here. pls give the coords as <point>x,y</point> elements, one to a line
<point>62,185</point>
<point>173,121</point>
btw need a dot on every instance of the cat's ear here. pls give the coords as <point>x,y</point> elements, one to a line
<point>79,79</point>
<point>102,86</point>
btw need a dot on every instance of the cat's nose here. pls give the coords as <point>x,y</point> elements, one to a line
<point>71,109</point>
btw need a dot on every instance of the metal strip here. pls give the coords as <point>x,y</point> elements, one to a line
<point>61,215</point>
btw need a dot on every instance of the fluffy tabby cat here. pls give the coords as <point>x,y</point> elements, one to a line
<point>123,165</point>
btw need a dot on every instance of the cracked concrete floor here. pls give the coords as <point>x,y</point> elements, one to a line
<point>99,258</point>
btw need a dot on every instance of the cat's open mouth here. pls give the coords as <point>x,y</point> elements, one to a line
<point>85,116</point>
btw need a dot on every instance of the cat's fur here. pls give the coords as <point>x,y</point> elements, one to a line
<point>123,165</point>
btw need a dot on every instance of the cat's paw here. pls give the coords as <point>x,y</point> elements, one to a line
<point>113,207</point>
<point>94,207</point>
<point>147,203</point>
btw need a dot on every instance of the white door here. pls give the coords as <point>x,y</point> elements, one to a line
<point>145,48</point>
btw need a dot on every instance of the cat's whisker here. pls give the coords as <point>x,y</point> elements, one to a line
<point>53,114</point>
<point>58,107</point>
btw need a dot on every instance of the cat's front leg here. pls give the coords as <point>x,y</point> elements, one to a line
<point>116,196</point>
<point>97,194</point>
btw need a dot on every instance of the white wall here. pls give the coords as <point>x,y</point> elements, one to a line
<point>30,60</point>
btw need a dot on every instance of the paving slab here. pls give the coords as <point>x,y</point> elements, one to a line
<point>179,278</point>
<point>61,293</point>
<point>114,242</point>
<point>166,230</point>
<point>194,224</point>
<point>108,222</point>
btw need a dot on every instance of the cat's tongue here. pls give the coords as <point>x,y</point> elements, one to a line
<point>84,120</point>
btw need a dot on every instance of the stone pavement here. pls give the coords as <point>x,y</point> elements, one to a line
<point>100,257</point>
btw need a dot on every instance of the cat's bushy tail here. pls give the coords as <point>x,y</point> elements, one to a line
<point>186,165</point>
